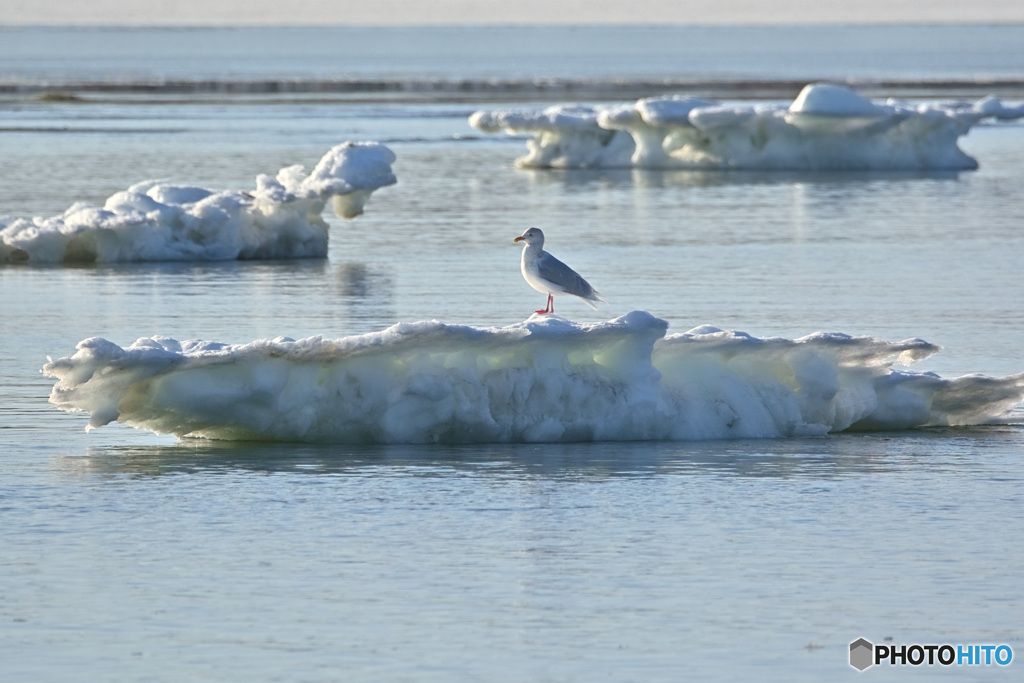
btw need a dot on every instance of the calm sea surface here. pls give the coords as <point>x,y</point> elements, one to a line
<point>129,556</point>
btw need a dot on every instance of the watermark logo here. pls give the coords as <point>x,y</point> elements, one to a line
<point>863,654</point>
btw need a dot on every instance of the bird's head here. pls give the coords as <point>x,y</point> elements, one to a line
<point>531,236</point>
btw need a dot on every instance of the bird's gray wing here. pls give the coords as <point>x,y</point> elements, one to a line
<point>556,272</point>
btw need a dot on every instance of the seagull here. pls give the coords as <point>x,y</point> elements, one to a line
<point>548,275</point>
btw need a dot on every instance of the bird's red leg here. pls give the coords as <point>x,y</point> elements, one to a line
<point>550,307</point>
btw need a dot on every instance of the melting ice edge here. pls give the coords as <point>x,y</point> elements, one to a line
<point>543,380</point>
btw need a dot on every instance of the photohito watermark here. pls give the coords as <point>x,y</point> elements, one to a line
<point>864,654</point>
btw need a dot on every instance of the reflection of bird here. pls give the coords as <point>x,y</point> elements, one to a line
<point>550,276</point>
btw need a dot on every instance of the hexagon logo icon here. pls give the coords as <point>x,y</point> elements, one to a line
<point>861,654</point>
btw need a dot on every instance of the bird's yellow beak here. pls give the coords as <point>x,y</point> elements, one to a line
<point>518,239</point>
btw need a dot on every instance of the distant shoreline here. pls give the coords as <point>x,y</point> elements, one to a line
<point>793,22</point>
<point>509,64</point>
<point>479,90</point>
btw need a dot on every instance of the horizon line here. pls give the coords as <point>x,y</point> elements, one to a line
<point>521,24</point>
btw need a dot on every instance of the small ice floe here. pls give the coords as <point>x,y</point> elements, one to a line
<point>545,379</point>
<point>827,127</point>
<point>160,221</point>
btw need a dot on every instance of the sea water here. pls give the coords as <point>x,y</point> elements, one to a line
<point>129,555</point>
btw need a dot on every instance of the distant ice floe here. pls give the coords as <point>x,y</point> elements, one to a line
<point>827,127</point>
<point>159,221</point>
<point>544,380</point>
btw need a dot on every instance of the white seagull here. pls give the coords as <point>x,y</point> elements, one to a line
<point>548,275</point>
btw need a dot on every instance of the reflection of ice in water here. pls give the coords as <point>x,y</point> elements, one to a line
<point>366,295</point>
<point>357,280</point>
<point>826,127</point>
<point>159,221</point>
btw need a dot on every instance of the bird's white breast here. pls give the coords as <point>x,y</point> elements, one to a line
<point>531,272</point>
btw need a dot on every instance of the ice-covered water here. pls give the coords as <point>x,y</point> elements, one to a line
<point>160,221</point>
<point>132,556</point>
<point>546,380</point>
<point>827,127</point>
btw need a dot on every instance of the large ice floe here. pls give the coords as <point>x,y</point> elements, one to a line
<point>159,221</point>
<point>827,127</point>
<point>545,379</point>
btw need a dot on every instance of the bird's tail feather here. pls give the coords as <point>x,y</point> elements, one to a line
<point>595,299</point>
